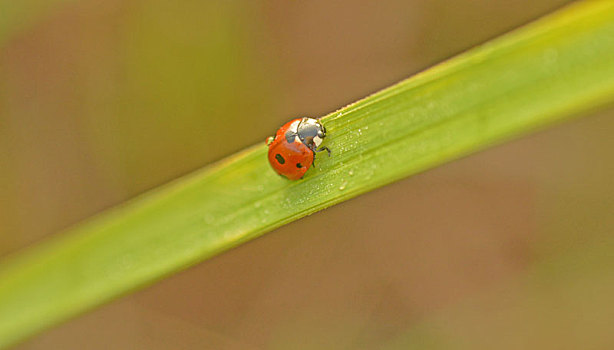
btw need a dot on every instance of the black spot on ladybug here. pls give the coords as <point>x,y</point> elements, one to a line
<point>299,165</point>
<point>280,159</point>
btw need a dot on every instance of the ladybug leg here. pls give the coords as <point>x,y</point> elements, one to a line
<point>324,148</point>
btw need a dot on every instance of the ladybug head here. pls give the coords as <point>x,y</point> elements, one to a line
<point>311,132</point>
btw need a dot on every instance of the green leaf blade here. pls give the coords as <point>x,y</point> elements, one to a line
<point>539,75</point>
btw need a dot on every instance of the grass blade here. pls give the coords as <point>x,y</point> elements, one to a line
<point>541,74</point>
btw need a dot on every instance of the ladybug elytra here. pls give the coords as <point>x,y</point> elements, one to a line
<point>292,150</point>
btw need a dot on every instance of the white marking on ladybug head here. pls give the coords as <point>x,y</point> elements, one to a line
<point>311,132</point>
<point>294,126</point>
<point>292,132</point>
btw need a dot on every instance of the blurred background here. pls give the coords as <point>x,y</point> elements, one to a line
<point>102,100</point>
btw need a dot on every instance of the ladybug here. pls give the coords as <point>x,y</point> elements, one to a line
<point>293,149</point>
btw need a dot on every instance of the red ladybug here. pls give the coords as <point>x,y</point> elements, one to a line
<point>293,149</point>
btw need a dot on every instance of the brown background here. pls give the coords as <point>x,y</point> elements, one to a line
<point>102,100</point>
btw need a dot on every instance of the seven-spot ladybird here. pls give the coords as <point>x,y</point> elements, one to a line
<point>292,150</point>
